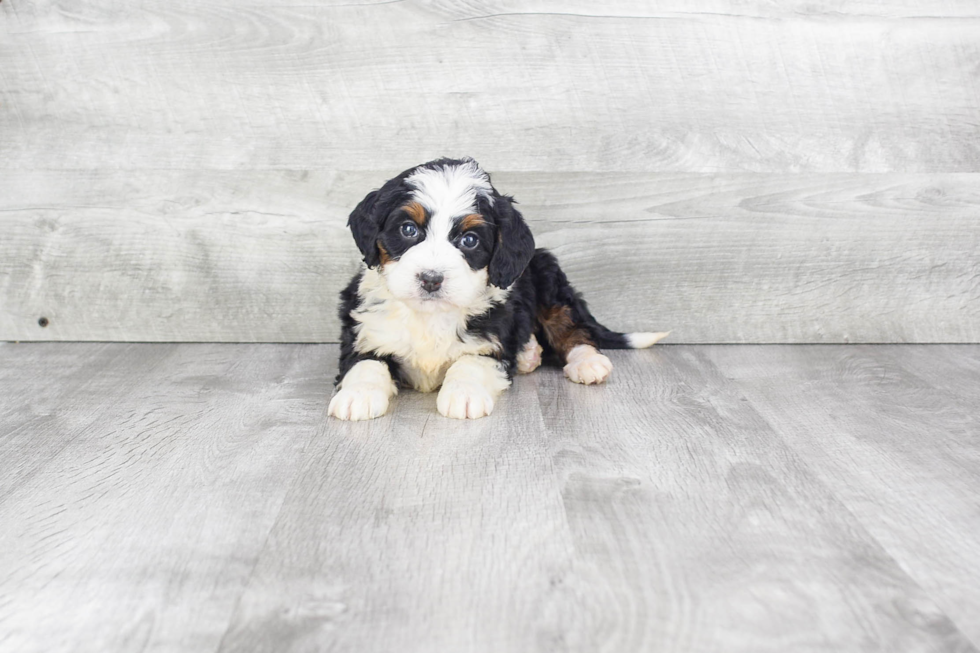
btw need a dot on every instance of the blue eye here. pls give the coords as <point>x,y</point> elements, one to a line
<point>469,241</point>
<point>409,230</point>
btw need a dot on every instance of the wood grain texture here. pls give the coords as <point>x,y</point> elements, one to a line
<point>413,533</point>
<point>212,506</point>
<point>894,432</point>
<point>733,172</point>
<point>698,529</point>
<point>957,374</point>
<point>669,518</point>
<point>715,86</point>
<point>261,256</point>
<point>142,525</point>
<point>59,394</point>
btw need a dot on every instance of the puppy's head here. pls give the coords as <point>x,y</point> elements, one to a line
<point>441,234</point>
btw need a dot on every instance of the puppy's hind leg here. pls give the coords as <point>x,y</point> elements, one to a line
<point>570,329</point>
<point>575,345</point>
<point>586,365</point>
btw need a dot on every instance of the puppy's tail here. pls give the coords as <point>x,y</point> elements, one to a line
<point>607,339</point>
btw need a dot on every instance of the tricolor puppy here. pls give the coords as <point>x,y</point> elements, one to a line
<point>454,296</point>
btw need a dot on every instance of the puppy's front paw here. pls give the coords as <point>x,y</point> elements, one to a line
<point>359,402</point>
<point>588,368</point>
<point>462,400</point>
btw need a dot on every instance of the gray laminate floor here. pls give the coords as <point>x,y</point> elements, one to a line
<point>708,498</point>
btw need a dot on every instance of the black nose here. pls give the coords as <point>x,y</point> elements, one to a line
<point>430,280</point>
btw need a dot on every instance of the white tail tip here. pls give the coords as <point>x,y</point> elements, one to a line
<point>644,340</point>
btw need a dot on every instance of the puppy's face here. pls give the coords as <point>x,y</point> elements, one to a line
<point>433,258</point>
<point>441,234</point>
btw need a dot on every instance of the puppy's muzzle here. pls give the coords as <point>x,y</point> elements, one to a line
<point>431,281</point>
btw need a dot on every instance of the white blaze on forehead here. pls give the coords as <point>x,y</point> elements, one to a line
<point>449,192</point>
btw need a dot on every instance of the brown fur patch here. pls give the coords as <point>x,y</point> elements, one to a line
<point>562,333</point>
<point>471,221</point>
<point>383,254</point>
<point>416,212</point>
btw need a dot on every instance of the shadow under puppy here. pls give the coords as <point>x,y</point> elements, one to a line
<point>454,296</point>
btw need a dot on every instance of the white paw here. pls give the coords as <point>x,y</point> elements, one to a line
<point>463,399</point>
<point>529,358</point>
<point>588,369</point>
<point>359,402</point>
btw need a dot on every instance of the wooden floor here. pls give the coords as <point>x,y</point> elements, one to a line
<point>195,497</point>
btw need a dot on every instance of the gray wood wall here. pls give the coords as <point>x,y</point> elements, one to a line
<point>734,171</point>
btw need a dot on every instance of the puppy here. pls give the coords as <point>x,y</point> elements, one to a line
<point>454,296</point>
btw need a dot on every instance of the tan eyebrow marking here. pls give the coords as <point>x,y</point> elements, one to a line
<point>416,212</point>
<point>471,221</point>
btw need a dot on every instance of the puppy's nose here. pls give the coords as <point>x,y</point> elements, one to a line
<point>431,281</point>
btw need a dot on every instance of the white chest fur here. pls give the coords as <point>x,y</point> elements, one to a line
<point>424,343</point>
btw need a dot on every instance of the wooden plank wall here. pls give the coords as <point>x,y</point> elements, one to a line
<point>740,171</point>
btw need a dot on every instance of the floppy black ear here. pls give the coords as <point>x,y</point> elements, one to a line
<point>365,226</point>
<point>514,247</point>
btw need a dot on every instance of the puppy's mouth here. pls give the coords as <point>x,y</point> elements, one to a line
<point>432,302</point>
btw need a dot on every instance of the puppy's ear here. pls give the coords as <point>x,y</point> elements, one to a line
<point>365,226</point>
<point>514,247</point>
